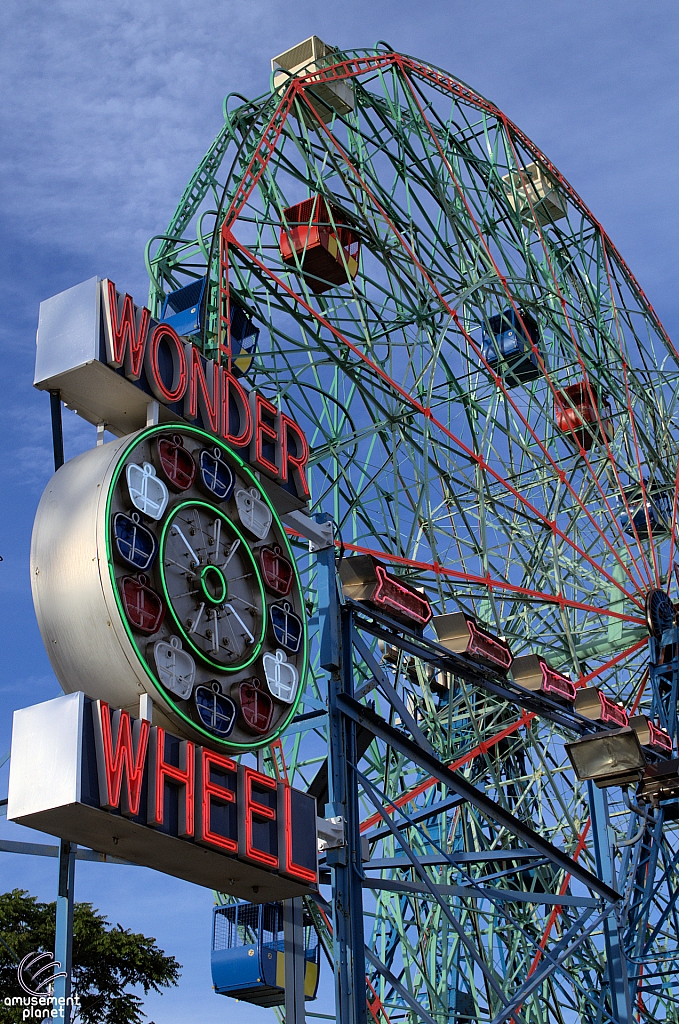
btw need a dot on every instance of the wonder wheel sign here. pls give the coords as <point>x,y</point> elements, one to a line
<point>168,554</point>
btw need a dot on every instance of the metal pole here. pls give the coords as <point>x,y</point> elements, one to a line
<point>57,430</point>
<point>621,1009</point>
<point>295,963</point>
<point>63,946</point>
<point>63,943</point>
<point>346,862</point>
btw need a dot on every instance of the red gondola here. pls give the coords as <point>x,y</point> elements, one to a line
<point>582,416</point>
<point>277,570</point>
<point>316,240</point>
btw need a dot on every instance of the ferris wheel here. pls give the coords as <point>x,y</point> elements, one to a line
<point>491,405</point>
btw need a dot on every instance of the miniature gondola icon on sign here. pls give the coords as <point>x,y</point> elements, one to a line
<point>134,543</point>
<point>147,492</point>
<point>276,570</point>
<point>216,476</point>
<point>176,463</point>
<point>255,515</point>
<point>256,706</point>
<point>176,668</point>
<point>144,608</point>
<point>286,627</point>
<point>216,711</point>
<point>281,677</point>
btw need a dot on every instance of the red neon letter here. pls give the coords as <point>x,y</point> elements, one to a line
<point>262,429</point>
<point>176,391</point>
<point>229,383</point>
<point>119,749</point>
<point>159,770</point>
<point>286,829</point>
<point>298,462</point>
<point>213,792</point>
<point>203,390</point>
<point>248,809</point>
<point>126,330</point>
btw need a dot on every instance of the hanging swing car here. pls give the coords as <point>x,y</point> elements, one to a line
<point>647,510</point>
<point>583,415</point>
<point>509,346</point>
<point>248,959</point>
<point>185,310</point>
<point>316,241</point>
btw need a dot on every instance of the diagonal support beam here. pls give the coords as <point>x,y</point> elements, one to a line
<point>369,720</point>
<point>482,893</point>
<point>488,974</point>
<point>553,960</point>
<point>390,693</point>
<point>398,987</point>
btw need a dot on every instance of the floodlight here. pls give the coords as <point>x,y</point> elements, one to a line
<point>659,782</point>
<point>364,578</point>
<point>533,673</point>
<point>461,634</point>
<point>612,758</point>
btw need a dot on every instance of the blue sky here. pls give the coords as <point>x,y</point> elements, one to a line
<point>107,109</point>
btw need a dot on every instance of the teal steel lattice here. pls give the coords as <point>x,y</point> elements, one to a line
<point>526,478</point>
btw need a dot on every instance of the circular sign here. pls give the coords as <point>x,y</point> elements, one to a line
<point>159,565</point>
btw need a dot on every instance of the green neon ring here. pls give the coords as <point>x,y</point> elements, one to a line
<point>205,590</point>
<point>186,637</point>
<point>208,439</point>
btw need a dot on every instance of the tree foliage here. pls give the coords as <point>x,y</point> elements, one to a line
<point>108,961</point>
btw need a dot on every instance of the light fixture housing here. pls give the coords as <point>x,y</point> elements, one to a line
<point>364,578</point>
<point>595,705</point>
<point>461,634</point>
<point>533,673</point>
<point>612,758</point>
<point>651,735</point>
<point>660,782</point>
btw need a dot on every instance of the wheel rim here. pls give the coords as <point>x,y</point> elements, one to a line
<point>503,497</point>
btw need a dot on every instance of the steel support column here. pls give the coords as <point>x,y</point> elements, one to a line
<point>63,945</point>
<point>57,429</point>
<point>621,1009</point>
<point>293,939</point>
<point>63,942</point>
<point>346,863</point>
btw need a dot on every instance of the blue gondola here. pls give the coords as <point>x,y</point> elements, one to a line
<point>184,310</point>
<point>507,346</point>
<point>658,504</point>
<point>248,959</point>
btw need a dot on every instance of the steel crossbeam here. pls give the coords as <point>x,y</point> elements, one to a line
<point>463,667</point>
<point>343,649</point>
<point>458,784</point>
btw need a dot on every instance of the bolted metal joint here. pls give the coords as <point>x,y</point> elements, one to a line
<point>331,833</point>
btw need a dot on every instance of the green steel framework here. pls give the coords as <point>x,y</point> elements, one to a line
<point>459,477</point>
